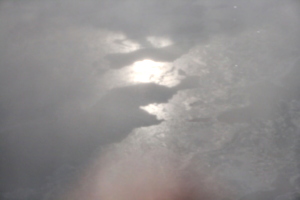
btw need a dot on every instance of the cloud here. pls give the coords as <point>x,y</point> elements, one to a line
<point>54,56</point>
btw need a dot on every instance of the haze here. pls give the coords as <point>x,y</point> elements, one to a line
<point>213,83</point>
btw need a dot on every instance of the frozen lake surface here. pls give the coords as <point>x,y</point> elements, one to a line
<point>132,99</point>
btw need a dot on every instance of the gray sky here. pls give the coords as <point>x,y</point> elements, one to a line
<point>68,78</point>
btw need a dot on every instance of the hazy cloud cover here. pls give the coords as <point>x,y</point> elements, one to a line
<point>55,57</point>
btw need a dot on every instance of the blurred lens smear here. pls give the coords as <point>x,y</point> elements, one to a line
<point>158,99</point>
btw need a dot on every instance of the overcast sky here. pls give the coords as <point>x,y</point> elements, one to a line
<point>64,65</point>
